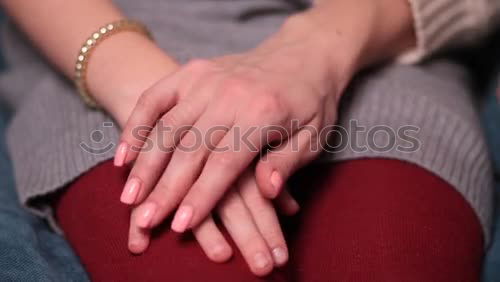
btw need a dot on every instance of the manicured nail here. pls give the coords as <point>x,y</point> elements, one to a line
<point>280,256</point>
<point>260,260</point>
<point>145,217</point>
<point>121,154</point>
<point>136,246</point>
<point>182,219</point>
<point>130,191</point>
<point>276,181</point>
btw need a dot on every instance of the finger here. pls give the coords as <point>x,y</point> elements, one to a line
<point>274,169</point>
<point>185,165</point>
<point>152,104</point>
<point>155,155</point>
<point>138,238</point>
<point>265,218</point>
<point>222,168</point>
<point>240,225</point>
<point>286,204</point>
<point>212,241</point>
<point>155,102</point>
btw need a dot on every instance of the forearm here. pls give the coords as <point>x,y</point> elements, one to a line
<point>120,68</point>
<point>374,30</point>
<point>58,27</point>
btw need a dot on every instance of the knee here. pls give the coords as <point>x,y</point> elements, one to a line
<point>386,220</point>
<point>94,198</point>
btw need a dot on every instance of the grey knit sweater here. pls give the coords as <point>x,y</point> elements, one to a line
<point>52,131</point>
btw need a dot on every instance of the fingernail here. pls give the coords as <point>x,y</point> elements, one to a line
<point>276,181</point>
<point>280,256</point>
<point>260,260</point>
<point>121,154</point>
<point>136,246</point>
<point>145,217</point>
<point>182,219</point>
<point>130,191</point>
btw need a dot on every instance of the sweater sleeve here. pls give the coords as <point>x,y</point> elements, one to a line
<point>441,24</point>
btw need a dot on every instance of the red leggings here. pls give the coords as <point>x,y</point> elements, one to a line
<point>364,220</point>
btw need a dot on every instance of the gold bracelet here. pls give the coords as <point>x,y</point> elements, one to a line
<point>89,46</point>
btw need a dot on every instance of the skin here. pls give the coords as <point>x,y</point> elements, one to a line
<point>257,88</point>
<point>346,36</point>
<point>117,84</point>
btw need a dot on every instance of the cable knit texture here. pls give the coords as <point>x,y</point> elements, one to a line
<point>443,24</point>
<point>52,127</point>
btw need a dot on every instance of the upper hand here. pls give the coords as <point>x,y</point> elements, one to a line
<point>216,116</point>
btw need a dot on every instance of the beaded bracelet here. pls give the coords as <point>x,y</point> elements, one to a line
<point>89,46</point>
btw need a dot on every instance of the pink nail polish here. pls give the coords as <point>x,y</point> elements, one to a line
<point>145,217</point>
<point>280,256</point>
<point>261,261</point>
<point>121,154</point>
<point>276,181</point>
<point>182,219</point>
<point>131,191</point>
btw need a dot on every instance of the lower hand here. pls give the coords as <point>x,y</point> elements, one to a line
<point>250,220</point>
<point>213,104</point>
<point>299,74</point>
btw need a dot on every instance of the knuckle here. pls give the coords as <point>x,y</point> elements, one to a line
<point>269,105</point>
<point>146,100</point>
<point>141,170</point>
<point>274,238</point>
<point>159,196</point>
<point>170,120</point>
<point>223,160</point>
<point>193,148</point>
<point>186,155</point>
<point>227,209</point>
<point>254,201</point>
<point>180,116</point>
<point>234,86</point>
<point>254,243</point>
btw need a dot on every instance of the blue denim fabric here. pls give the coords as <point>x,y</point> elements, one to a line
<point>29,250</point>
<point>491,121</point>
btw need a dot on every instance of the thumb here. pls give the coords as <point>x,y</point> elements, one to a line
<point>274,169</point>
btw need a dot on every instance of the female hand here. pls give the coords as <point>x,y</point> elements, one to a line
<point>215,116</point>
<point>250,220</point>
<point>234,105</point>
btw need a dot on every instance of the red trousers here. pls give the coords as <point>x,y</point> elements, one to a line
<point>363,220</point>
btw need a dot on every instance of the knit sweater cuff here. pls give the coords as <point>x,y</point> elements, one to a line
<point>440,24</point>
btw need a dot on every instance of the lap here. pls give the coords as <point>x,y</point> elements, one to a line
<point>425,115</point>
<point>358,218</point>
<point>29,250</point>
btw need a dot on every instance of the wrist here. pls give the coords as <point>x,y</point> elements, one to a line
<point>335,39</point>
<point>345,36</point>
<point>393,31</point>
<point>122,68</point>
